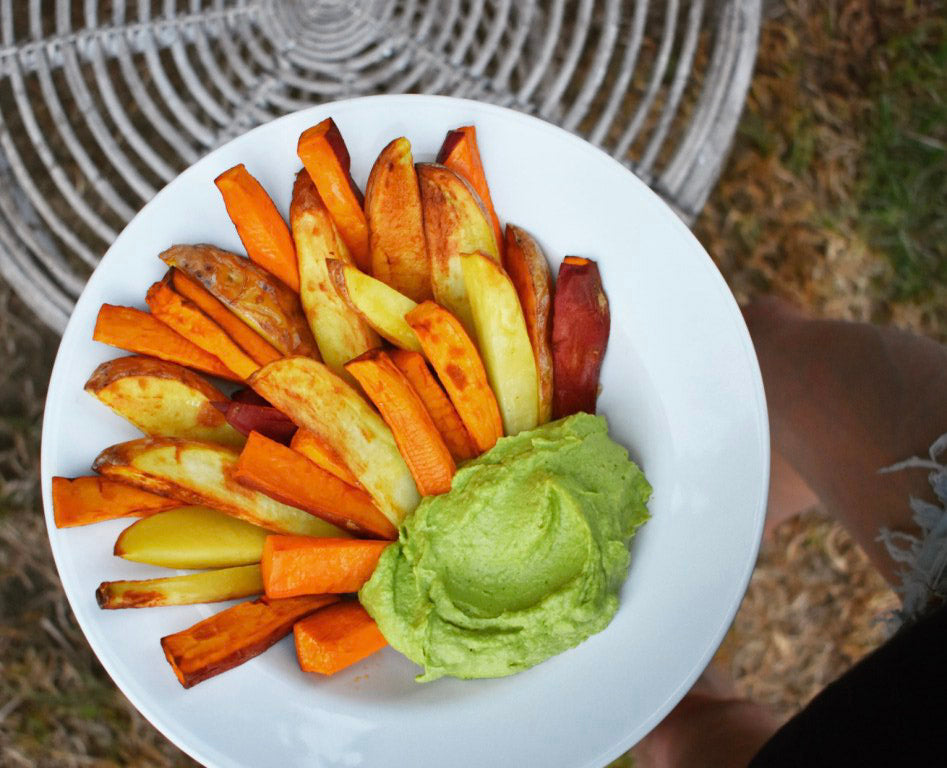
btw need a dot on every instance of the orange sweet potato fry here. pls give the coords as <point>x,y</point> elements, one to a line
<point>323,153</point>
<point>287,476</point>
<point>460,153</point>
<point>304,565</point>
<point>458,364</point>
<point>414,430</point>
<point>136,331</point>
<point>318,451</point>
<point>261,228</point>
<point>84,500</point>
<point>438,404</point>
<point>336,638</point>
<point>235,635</point>
<point>252,343</point>
<point>184,317</point>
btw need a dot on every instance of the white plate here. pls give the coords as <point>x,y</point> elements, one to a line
<point>681,389</point>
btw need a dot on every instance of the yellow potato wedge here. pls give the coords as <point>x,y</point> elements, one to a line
<point>380,305</point>
<point>192,537</point>
<point>318,400</point>
<point>339,331</point>
<point>163,399</point>
<point>203,473</point>
<point>207,587</point>
<point>262,301</point>
<point>504,343</point>
<point>455,223</point>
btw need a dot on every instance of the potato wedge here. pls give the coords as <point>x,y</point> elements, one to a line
<point>339,331</point>
<point>527,267</point>
<point>395,224</point>
<point>163,399</point>
<point>191,537</point>
<point>253,294</point>
<point>86,500</point>
<point>318,400</point>
<point>380,305</point>
<point>202,473</point>
<point>208,587</point>
<point>455,222</point>
<point>320,453</point>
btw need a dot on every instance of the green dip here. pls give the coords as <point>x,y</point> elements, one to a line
<point>523,559</point>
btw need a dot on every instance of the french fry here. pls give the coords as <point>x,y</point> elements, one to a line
<point>415,433</point>
<point>461,371</point>
<point>379,305</point>
<point>202,473</point>
<point>163,399</point>
<point>527,267</point>
<point>580,328</point>
<point>207,587</point>
<point>261,228</point>
<point>300,565</point>
<point>320,453</point>
<point>340,332</point>
<point>85,500</point>
<point>336,637</point>
<point>315,398</point>
<point>235,635</point>
<point>138,332</point>
<point>283,474</point>
<point>396,230</point>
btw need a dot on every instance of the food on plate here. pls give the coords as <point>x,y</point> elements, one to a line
<point>85,500</point>
<point>399,255</point>
<point>136,331</point>
<point>336,637</point>
<point>455,358</point>
<point>317,450</point>
<point>580,326</point>
<point>162,398</point>
<point>192,537</point>
<point>326,159</point>
<point>203,473</point>
<point>455,223</point>
<point>264,303</point>
<point>339,331</point>
<point>534,534</point>
<point>315,398</point>
<point>378,304</point>
<point>302,565</point>
<point>265,419</point>
<point>460,153</point>
<point>206,587</point>
<point>526,265</point>
<point>415,433</point>
<point>287,476</point>
<point>503,341</point>
<point>259,224</point>
<point>235,635</point>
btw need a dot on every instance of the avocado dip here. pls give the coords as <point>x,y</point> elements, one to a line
<point>521,560</point>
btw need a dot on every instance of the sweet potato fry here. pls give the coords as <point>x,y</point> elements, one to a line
<point>185,318</point>
<point>460,369</point>
<point>460,153</point>
<point>85,500</point>
<point>136,331</point>
<point>527,267</point>
<point>438,404</point>
<point>207,587</point>
<point>393,210</point>
<point>261,228</point>
<point>415,433</point>
<point>336,637</point>
<point>202,473</point>
<point>324,155</point>
<point>283,474</point>
<point>580,327</point>
<point>300,565</point>
<point>249,340</point>
<point>320,453</point>
<point>235,635</point>
<point>265,419</point>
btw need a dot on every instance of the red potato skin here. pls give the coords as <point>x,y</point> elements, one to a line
<point>580,326</point>
<point>248,417</point>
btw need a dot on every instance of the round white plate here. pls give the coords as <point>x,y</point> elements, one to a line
<point>681,389</point>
